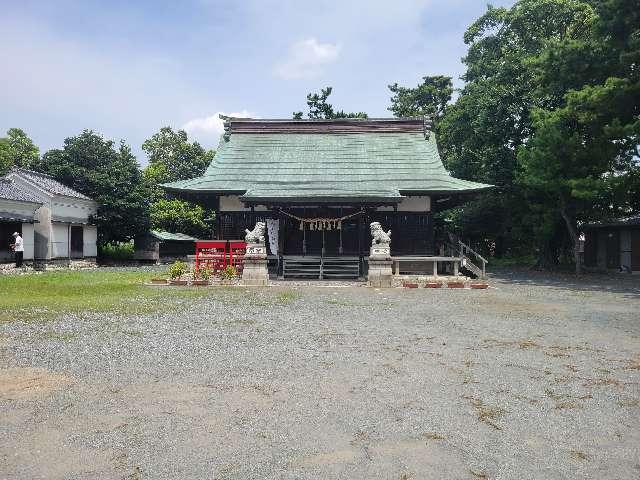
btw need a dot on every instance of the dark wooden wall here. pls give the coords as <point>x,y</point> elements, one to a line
<point>412,233</point>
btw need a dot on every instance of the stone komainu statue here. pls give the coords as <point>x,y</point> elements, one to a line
<point>379,236</point>
<point>256,235</point>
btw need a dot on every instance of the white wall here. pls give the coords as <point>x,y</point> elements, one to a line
<point>90,237</point>
<point>59,240</point>
<point>411,204</point>
<point>21,209</point>
<point>76,209</point>
<point>232,203</point>
<point>27,237</point>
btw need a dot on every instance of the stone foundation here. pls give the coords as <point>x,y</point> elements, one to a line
<point>380,274</point>
<point>254,271</point>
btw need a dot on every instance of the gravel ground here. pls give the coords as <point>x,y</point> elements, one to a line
<point>535,378</point>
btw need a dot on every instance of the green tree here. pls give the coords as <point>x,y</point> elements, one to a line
<point>107,173</point>
<point>428,98</point>
<point>17,149</point>
<point>172,157</point>
<point>583,155</point>
<point>480,135</point>
<point>6,161</point>
<point>174,215</point>
<point>320,108</point>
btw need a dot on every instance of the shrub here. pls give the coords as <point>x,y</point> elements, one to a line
<point>177,269</point>
<point>116,251</point>
<point>229,273</point>
<point>205,273</point>
<point>202,273</point>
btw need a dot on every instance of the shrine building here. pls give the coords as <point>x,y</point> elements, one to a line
<point>318,184</point>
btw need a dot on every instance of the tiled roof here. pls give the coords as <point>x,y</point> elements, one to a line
<point>48,183</point>
<point>326,160</point>
<point>10,191</point>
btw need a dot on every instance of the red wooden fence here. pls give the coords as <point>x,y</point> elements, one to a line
<point>216,255</point>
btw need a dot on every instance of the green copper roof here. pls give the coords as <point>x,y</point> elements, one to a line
<point>364,160</point>
<point>165,236</point>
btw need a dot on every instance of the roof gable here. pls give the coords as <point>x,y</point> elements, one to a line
<point>327,160</point>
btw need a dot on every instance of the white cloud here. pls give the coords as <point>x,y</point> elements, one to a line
<point>207,130</point>
<point>307,59</point>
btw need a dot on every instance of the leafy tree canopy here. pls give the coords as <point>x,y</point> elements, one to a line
<point>525,65</point>
<point>172,157</point>
<point>174,215</point>
<point>428,98</point>
<point>17,149</point>
<point>107,173</point>
<point>582,154</point>
<point>320,108</point>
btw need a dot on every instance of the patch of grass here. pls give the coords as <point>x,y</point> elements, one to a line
<point>45,296</point>
<point>578,455</point>
<point>340,303</point>
<point>59,336</point>
<point>602,382</point>
<point>480,475</point>
<point>567,405</point>
<point>487,413</point>
<point>633,364</point>
<point>524,344</point>
<point>433,436</point>
<point>287,296</point>
<point>242,322</point>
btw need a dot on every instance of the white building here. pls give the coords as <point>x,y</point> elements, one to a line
<point>54,220</point>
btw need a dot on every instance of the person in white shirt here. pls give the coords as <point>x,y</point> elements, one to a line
<point>18,248</point>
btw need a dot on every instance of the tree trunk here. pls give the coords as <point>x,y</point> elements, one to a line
<point>549,253</point>
<point>575,238</point>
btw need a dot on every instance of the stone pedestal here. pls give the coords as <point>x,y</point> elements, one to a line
<point>380,272</point>
<point>254,271</point>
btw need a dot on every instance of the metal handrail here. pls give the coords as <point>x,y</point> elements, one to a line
<point>464,246</point>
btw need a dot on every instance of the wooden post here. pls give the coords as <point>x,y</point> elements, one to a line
<point>435,268</point>
<point>304,233</point>
<point>455,268</point>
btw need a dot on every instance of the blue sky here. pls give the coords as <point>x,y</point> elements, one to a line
<point>127,68</point>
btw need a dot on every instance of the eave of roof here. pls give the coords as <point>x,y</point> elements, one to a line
<point>14,217</point>
<point>632,221</point>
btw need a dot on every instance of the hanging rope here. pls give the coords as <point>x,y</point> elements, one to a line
<point>321,224</point>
